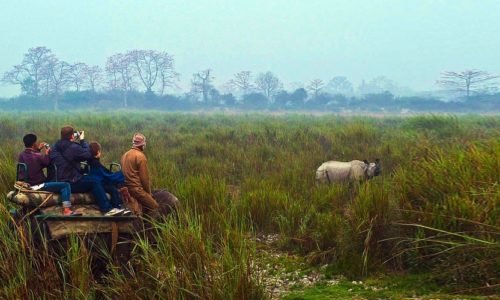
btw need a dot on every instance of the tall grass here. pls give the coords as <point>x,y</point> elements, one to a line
<point>239,174</point>
<point>187,264</point>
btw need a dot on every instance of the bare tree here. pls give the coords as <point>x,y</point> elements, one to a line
<point>31,72</point>
<point>153,67</point>
<point>202,83</point>
<point>146,63</point>
<point>340,85</point>
<point>315,86</point>
<point>242,82</point>
<point>29,85</point>
<point>121,73</point>
<point>268,84</point>
<point>467,82</point>
<point>58,78</point>
<point>168,76</point>
<point>93,77</point>
<point>77,75</point>
<point>113,73</point>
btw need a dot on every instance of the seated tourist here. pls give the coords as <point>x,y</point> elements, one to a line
<point>67,156</point>
<point>135,169</point>
<point>36,158</point>
<point>109,180</point>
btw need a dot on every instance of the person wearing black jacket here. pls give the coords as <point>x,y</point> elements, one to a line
<point>66,156</point>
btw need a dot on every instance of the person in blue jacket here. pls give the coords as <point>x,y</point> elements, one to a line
<point>67,156</point>
<point>109,180</point>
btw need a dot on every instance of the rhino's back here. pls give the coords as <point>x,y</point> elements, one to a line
<point>338,171</point>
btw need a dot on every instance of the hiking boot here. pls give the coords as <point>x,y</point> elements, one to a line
<point>114,212</point>
<point>68,212</point>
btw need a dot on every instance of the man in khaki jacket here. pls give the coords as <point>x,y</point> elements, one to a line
<point>135,169</point>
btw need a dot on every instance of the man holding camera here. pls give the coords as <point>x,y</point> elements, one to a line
<point>67,156</point>
<point>35,157</point>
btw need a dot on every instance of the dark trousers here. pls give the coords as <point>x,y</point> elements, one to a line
<point>116,201</point>
<point>86,185</point>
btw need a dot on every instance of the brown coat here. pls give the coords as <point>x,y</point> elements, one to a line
<point>135,169</point>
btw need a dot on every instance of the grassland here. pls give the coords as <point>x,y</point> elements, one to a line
<point>433,212</point>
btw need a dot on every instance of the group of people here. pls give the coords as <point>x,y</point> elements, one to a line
<point>65,175</point>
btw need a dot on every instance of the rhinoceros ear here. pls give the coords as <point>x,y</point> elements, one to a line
<point>366,162</point>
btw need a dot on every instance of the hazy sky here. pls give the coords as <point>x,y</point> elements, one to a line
<point>408,41</point>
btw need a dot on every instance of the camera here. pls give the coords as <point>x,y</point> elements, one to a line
<point>76,134</point>
<point>42,146</point>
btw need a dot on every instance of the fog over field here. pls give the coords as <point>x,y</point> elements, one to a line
<point>424,49</point>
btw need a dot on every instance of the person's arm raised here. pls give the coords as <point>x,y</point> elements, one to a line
<point>81,152</point>
<point>44,154</point>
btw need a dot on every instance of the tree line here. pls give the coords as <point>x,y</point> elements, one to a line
<point>41,73</point>
<point>147,78</point>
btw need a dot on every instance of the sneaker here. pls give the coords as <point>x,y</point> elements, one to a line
<point>126,212</point>
<point>68,212</point>
<point>114,212</point>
